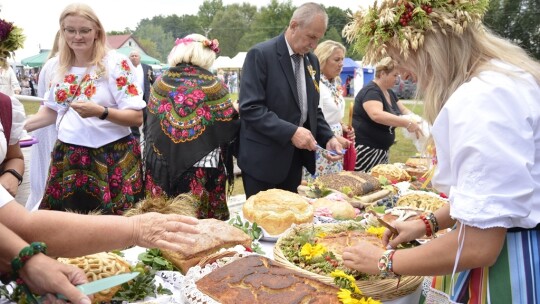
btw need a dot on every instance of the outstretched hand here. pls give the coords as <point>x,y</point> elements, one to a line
<point>46,276</point>
<point>303,139</point>
<point>407,231</point>
<point>363,257</point>
<point>164,231</point>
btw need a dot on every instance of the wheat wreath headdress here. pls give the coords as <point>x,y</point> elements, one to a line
<point>402,24</point>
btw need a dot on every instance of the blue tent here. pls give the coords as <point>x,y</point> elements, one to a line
<point>349,66</point>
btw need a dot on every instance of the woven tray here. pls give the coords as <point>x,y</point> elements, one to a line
<point>383,289</point>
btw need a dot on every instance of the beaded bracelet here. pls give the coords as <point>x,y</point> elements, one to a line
<point>434,223</point>
<point>385,265</point>
<point>429,232</point>
<point>26,253</point>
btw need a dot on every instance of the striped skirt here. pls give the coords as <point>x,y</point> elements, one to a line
<point>367,157</point>
<point>515,277</point>
<point>106,179</point>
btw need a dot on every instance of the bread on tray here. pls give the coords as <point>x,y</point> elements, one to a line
<point>213,235</point>
<point>276,210</point>
<point>99,266</point>
<point>258,280</point>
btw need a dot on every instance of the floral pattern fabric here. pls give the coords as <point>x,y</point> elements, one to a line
<point>185,111</point>
<point>106,179</point>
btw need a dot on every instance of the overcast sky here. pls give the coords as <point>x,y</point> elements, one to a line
<point>39,18</point>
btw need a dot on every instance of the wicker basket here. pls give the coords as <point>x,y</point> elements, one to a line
<point>383,290</point>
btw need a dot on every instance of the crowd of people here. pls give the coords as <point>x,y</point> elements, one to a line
<point>287,125</point>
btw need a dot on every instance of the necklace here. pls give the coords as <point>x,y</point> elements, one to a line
<point>334,89</point>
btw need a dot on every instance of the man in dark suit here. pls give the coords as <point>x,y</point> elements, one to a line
<point>145,79</point>
<point>281,123</point>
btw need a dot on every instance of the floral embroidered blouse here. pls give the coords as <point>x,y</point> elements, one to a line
<point>114,88</point>
<point>331,101</point>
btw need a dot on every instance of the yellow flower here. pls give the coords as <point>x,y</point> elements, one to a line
<point>309,251</point>
<point>378,231</point>
<point>352,282</point>
<point>345,296</point>
<point>321,235</point>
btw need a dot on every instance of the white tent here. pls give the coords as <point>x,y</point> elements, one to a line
<point>238,61</point>
<point>222,62</point>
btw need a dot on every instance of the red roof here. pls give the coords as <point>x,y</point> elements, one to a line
<point>116,41</point>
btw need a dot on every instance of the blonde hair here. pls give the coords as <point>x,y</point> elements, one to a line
<point>325,49</point>
<point>445,62</point>
<point>54,49</point>
<point>192,51</point>
<point>66,54</point>
<point>387,64</point>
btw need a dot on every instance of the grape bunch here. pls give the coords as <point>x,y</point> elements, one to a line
<point>407,15</point>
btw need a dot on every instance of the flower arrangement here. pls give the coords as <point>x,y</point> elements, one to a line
<point>349,292</point>
<point>11,38</point>
<point>403,23</point>
<point>211,44</point>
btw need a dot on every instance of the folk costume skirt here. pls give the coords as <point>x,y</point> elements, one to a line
<point>322,165</point>
<point>368,157</point>
<point>515,277</point>
<point>106,179</point>
<point>207,185</point>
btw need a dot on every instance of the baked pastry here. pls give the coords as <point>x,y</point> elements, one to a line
<point>417,166</point>
<point>98,266</point>
<point>213,235</point>
<point>422,200</point>
<point>351,183</point>
<point>339,209</point>
<point>259,280</point>
<point>276,210</point>
<point>393,173</point>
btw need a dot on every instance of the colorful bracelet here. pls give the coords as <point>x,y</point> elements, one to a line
<point>385,265</point>
<point>434,223</point>
<point>429,231</point>
<point>26,253</point>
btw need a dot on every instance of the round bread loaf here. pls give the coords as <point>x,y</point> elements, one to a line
<point>393,173</point>
<point>340,209</point>
<point>98,266</point>
<point>276,210</point>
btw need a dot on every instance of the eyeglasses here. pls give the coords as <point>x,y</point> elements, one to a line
<point>81,32</point>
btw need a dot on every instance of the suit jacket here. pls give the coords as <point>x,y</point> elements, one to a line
<point>148,80</point>
<point>270,112</point>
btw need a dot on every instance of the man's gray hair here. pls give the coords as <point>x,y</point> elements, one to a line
<point>305,13</point>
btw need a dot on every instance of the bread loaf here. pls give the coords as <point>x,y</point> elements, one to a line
<point>393,173</point>
<point>276,210</point>
<point>258,280</point>
<point>351,183</point>
<point>98,266</point>
<point>213,235</point>
<point>340,209</point>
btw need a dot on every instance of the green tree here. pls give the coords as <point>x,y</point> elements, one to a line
<point>206,13</point>
<point>230,25</point>
<point>517,20</point>
<point>332,34</point>
<point>155,41</point>
<point>126,31</point>
<point>271,21</point>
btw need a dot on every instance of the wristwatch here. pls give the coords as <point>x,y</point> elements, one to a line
<point>105,113</point>
<point>14,173</point>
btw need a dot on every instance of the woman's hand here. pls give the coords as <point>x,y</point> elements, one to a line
<point>350,132</point>
<point>164,231</point>
<point>87,109</point>
<point>44,275</point>
<point>407,231</point>
<point>414,127</point>
<point>363,257</point>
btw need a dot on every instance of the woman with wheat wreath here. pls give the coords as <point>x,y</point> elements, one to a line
<point>481,95</point>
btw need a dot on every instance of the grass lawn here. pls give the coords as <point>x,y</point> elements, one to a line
<point>399,152</point>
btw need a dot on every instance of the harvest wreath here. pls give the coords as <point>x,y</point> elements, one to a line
<point>315,250</point>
